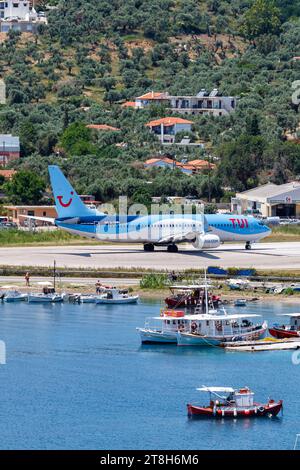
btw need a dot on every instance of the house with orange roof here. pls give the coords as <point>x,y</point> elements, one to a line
<point>200,165</point>
<point>102,127</point>
<point>129,104</point>
<point>167,128</point>
<point>189,168</point>
<point>166,162</point>
<point>150,98</point>
<point>7,174</point>
<point>205,102</point>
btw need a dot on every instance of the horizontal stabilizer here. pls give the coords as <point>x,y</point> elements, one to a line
<point>49,220</point>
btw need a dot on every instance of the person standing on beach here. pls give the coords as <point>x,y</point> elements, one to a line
<point>27,279</point>
<point>98,287</point>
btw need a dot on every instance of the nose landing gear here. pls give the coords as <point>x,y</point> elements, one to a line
<point>248,246</point>
<point>148,247</point>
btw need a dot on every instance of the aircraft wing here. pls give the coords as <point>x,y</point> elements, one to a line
<point>49,220</point>
<point>179,238</point>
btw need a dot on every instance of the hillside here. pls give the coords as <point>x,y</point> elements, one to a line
<point>94,55</point>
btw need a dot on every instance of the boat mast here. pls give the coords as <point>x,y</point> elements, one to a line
<point>206,292</point>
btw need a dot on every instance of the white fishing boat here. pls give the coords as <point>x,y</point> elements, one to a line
<point>214,329</point>
<point>45,298</point>
<point>15,296</point>
<point>116,296</point>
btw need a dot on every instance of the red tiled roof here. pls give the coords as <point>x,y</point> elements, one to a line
<point>168,121</point>
<point>102,127</point>
<point>129,104</point>
<point>153,96</point>
<point>201,163</point>
<point>8,173</point>
<point>162,159</point>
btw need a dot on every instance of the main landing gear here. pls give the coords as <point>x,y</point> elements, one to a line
<point>148,247</point>
<point>248,246</point>
<point>172,248</point>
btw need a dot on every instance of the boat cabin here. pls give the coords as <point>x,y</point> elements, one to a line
<point>294,321</point>
<point>221,325</point>
<point>241,398</point>
<point>216,325</point>
<point>192,296</point>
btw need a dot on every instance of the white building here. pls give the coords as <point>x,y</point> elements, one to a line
<point>167,128</point>
<point>269,200</point>
<point>18,10</point>
<point>205,102</point>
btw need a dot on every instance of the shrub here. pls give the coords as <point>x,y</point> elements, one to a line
<point>153,281</point>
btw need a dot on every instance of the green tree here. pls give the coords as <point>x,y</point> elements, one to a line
<point>262,18</point>
<point>25,187</point>
<point>76,139</point>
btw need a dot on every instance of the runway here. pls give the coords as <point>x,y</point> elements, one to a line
<point>262,255</point>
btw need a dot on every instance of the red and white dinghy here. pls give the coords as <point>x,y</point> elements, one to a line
<point>226,402</point>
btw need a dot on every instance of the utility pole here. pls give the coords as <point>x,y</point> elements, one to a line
<point>209,181</point>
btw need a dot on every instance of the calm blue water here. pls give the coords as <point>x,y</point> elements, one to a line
<point>77,378</point>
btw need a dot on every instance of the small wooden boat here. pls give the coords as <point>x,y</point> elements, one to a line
<point>287,331</point>
<point>226,402</point>
<point>266,344</point>
<point>116,296</point>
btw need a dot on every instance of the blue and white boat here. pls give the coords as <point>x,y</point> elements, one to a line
<point>45,298</point>
<point>116,296</point>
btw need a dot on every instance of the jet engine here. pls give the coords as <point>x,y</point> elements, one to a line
<point>207,241</point>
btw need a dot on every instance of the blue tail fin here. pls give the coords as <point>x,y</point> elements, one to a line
<point>67,201</point>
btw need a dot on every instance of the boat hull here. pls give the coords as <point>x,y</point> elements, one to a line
<point>88,300</point>
<point>157,337</point>
<point>280,333</point>
<point>189,339</point>
<point>41,299</point>
<point>130,300</point>
<point>269,409</point>
<point>15,299</point>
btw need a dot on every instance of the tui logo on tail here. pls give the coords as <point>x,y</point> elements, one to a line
<point>65,204</point>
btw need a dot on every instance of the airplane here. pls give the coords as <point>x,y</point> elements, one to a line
<point>201,231</point>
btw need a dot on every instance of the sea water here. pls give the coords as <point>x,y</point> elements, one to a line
<point>77,377</point>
